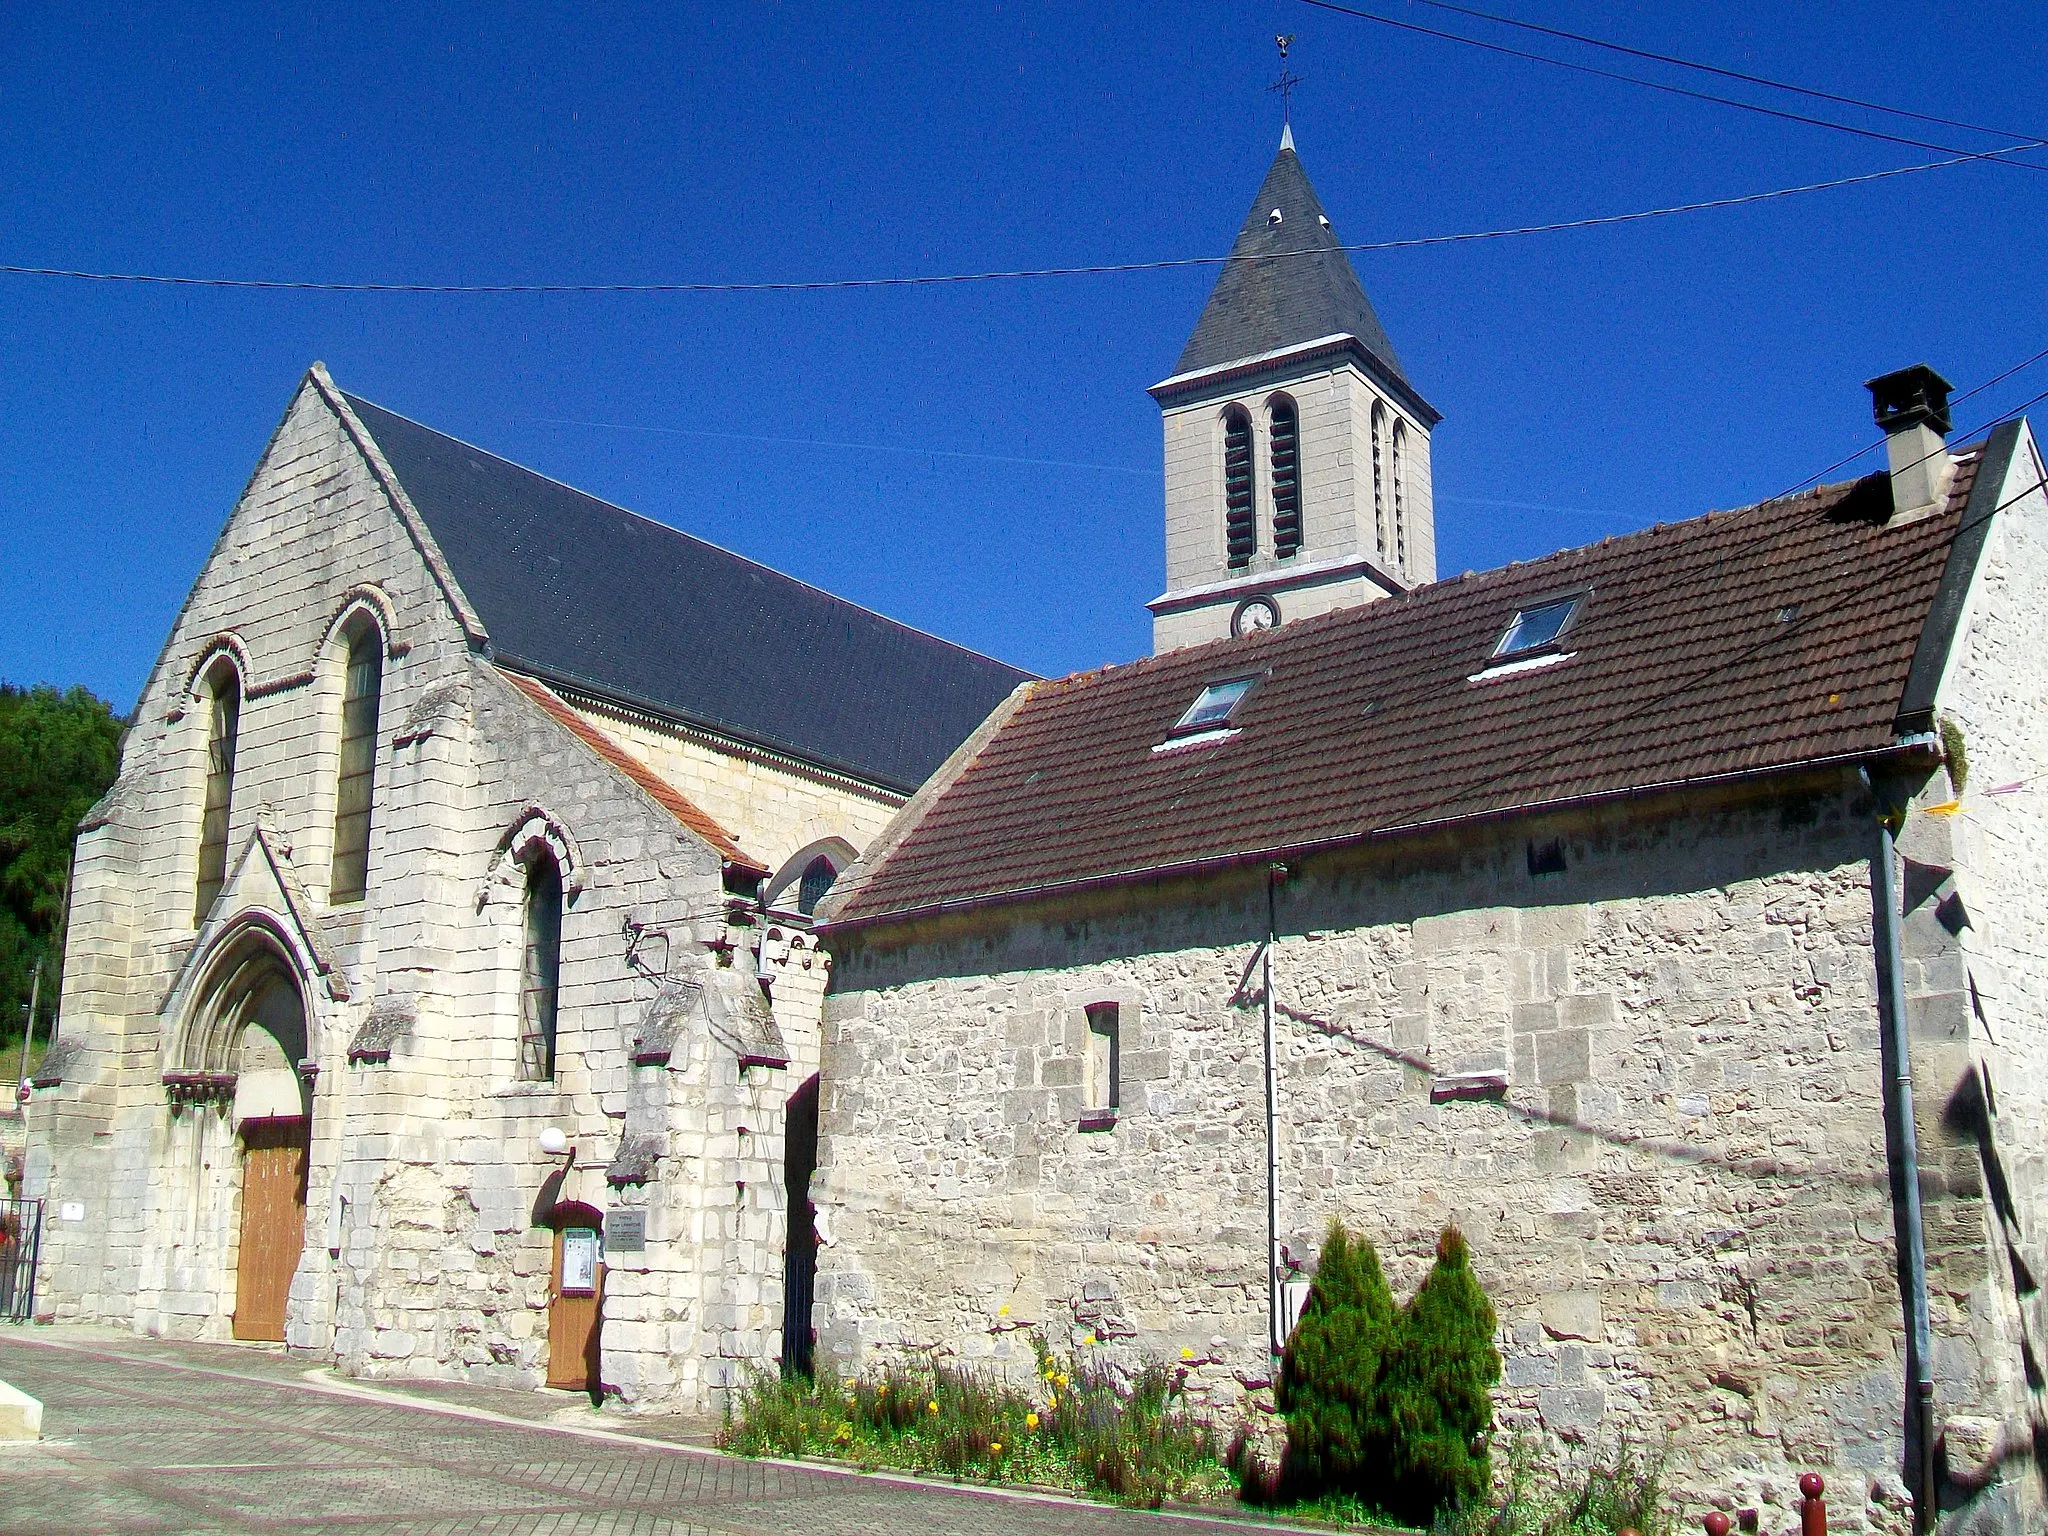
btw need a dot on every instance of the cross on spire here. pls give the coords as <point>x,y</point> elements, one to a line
<point>1286,83</point>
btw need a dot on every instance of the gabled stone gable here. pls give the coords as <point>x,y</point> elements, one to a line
<point>424,1253</point>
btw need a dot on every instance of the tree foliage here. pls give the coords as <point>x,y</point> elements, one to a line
<point>1435,1406</point>
<point>1331,1367</point>
<point>1390,1408</point>
<point>59,752</point>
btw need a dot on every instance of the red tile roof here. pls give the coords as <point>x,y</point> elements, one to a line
<point>1732,644</point>
<point>663,793</point>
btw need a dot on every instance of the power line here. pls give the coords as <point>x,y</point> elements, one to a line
<point>1659,85</point>
<point>926,280</point>
<point>1956,400</point>
<point>1715,69</point>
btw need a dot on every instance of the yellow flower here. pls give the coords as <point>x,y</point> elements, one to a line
<point>996,1446</point>
<point>1089,1340</point>
<point>1031,1421</point>
<point>1187,1354</point>
<point>1003,1310</point>
<point>933,1405</point>
<point>1051,1403</point>
<point>884,1387</point>
<point>1063,1379</point>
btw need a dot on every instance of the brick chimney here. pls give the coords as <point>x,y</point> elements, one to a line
<point>1912,407</point>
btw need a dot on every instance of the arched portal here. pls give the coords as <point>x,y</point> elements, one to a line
<point>247,1043</point>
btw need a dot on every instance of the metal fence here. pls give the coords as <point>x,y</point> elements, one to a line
<point>21,1235</point>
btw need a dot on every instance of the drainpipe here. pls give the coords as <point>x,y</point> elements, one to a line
<point>1903,1140</point>
<point>1274,1342</point>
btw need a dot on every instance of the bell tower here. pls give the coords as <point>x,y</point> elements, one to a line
<point>1297,452</point>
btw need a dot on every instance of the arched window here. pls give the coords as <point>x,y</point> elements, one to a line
<point>1285,422</point>
<point>1240,527</point>
<point>1379,477</point>
<point>223,724</point>
<point>818,877</point>
<point>358,766</point>
<point>1400,497</point>
<point>540,968</point>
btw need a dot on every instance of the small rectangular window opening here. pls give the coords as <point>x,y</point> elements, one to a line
<point>1105,1064</point>
<point>1215,705</point>
<point>1534,628</point>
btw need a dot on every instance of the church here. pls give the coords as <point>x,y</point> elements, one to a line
<point>440,999</point>
<point>1665,914</point>
<point>530,945</point>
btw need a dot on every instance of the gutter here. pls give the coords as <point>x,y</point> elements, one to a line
<point>1907,747</point>
<point>1902,1142</point>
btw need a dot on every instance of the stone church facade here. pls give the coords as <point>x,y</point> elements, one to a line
<point>439,977</point>
<point>510,910</point>
<point>1666,914</point>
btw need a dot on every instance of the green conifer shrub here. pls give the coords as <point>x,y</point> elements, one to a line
<point>1434,1411</point>
<point>1330,1370</point>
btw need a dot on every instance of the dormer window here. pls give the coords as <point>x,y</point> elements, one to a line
<point>1538,627</point>
<point>1214,706</point>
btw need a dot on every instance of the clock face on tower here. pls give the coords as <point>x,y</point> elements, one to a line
<point>1254,613</point>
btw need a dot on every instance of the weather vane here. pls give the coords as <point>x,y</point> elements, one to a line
<point>1287,82</point>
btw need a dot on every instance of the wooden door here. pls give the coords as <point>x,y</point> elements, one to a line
<point>575,1305</point>
<point>274,1162</point>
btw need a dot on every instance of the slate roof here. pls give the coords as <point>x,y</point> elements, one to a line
<point>1285,283</point>
<point>1732,644</point>
<point>592,596</point>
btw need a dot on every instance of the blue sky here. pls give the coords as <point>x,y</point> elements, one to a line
<point>981,461</point>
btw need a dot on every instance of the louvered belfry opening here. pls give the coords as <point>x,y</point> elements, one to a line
<point>358,766</point>
<point>1240,526</point>
<point>1379,477</point>
<point>1400,499</point>
<point>223,723</point>
<point>1286,453</point>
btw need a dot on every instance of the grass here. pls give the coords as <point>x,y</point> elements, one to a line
<point>1599,1493</point>
<point>1085,1427</point>
<point>1602,1493</point>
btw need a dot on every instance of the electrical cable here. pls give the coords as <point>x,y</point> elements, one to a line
<point>1715,69</point>
<point>926,280</point>
<point>1660,85</point>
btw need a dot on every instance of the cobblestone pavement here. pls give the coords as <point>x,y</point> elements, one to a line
<point>148,1436</point>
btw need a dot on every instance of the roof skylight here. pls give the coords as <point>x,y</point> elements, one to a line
<point>1214,706</point>
<point>1534,628</point>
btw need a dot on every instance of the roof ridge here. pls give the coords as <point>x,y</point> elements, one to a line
<point>670,528</point>
<point>664,794</point>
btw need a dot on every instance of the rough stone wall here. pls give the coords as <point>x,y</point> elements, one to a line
<point>1679,1203</point>
<point>425,1253</point>
<point>1977,956</point>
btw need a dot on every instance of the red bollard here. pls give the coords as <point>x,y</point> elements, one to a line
<point>1813,1514</point>
<point>1717,1524</point>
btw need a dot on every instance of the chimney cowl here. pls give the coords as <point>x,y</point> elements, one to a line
<point>1910,397</point>
<point>1912,407</point>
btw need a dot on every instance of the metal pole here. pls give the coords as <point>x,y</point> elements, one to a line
<point>28,1042</point>
<point>1898,1064</point>
<point>1274,1342</point>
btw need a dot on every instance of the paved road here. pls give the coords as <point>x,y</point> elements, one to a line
<point>147,1436</point>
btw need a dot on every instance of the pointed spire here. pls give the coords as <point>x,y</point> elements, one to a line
<point>1287,135</point>
<point>1287,281</point>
